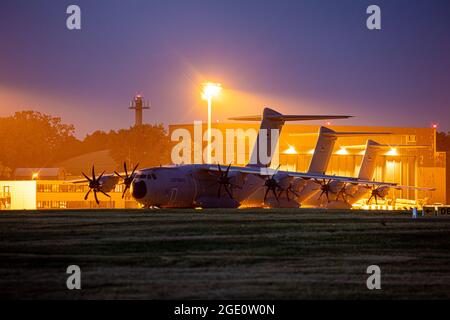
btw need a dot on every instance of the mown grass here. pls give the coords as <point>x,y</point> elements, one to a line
<point>228,254</point>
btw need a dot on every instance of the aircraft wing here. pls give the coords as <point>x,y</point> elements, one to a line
<point>261,171</point>
<point>84,180</point>
<point>76,181</point>
<point>415,188</point>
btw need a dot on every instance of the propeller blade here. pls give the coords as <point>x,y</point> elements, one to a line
<point>89,179</point>
<point>124,191</point>
<point>228,191</point>
<point>265,195</point>
<point>228,169</point>
<point>100,176</point>
<point>321,194</point>
<point>291,190</point>
<point>95,196</point>
<point>105,193</point>
<point>117,174</point>
<point>275,194</point>
<point>220,169</point>
<point>134,169</point>
<point>93,173</point>
<point>125,167</point>
<point>276,171</point>
<point>87,194</point>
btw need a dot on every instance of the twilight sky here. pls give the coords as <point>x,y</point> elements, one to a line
<point>298,56</point>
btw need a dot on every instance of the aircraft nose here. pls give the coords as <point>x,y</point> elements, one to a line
<point>138,189</point>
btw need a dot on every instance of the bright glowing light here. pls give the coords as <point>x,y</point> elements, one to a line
<point>328,123</point>
<point>390,165</point>
<point>311,151</point>
<point>392,152</point>
<point>290,150</point>
<point>211,90</point>
<point>434,125</point>
<point>35,176</point>
<point>342,151</point>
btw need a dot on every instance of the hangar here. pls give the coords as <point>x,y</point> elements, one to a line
<point>420,167</point>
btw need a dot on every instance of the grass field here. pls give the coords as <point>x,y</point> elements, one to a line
<point>223,254</point>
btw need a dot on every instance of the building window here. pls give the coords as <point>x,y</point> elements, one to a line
<point>411,138</point>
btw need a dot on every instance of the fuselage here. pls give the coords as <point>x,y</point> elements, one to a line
<point>189,186</point>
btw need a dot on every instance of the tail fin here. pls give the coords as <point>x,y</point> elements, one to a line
<point>269,132</point>
<point>369,160</point>
<point>325,144</point>
<point>271,125</point>
<point>373,149</point>
<point>323,150</point>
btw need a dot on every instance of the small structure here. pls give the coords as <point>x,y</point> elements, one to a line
<point>138,104</point>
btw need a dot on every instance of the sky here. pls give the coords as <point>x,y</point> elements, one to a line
<point>298,57</point>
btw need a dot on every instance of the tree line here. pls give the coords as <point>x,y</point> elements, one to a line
<point>32,139</point>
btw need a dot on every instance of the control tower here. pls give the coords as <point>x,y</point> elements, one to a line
<point>138,104</point>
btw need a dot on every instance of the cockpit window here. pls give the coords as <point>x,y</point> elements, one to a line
<point>154,176</point>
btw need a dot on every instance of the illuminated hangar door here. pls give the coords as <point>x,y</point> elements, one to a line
<point>393,173</point>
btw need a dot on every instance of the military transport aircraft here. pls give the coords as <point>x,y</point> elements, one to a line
<point>342,195</point>
<point>216,186</point>
<point>296,192</point>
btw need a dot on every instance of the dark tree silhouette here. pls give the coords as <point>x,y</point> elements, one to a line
<point>30,138</point>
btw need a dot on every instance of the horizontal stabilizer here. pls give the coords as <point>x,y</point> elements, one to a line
<point>329,132</point>
<point>374,144</point>
<point>273,115</point>
<point>290,117</point>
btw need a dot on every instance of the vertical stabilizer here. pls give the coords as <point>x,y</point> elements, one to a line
<point>369,160</point>
<point>267,140</point>
<point>269,133</point>
<point>322,151</point>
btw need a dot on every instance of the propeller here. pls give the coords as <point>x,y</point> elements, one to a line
<point>272,185</point>
<point>287,190</point>
<point>94,185</point>
<point>343,193</point>
<point>375,193</point>
<point>127,179</point>
<point>224,181</point>
<point>325,188</point>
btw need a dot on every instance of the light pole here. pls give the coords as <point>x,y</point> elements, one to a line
<point>210,90</point>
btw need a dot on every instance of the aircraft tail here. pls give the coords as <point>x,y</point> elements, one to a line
<point>369,160</point>
<point>373,149</point>
<point>325,144</point>
<point>323,150</point>
<point>269,132</point>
